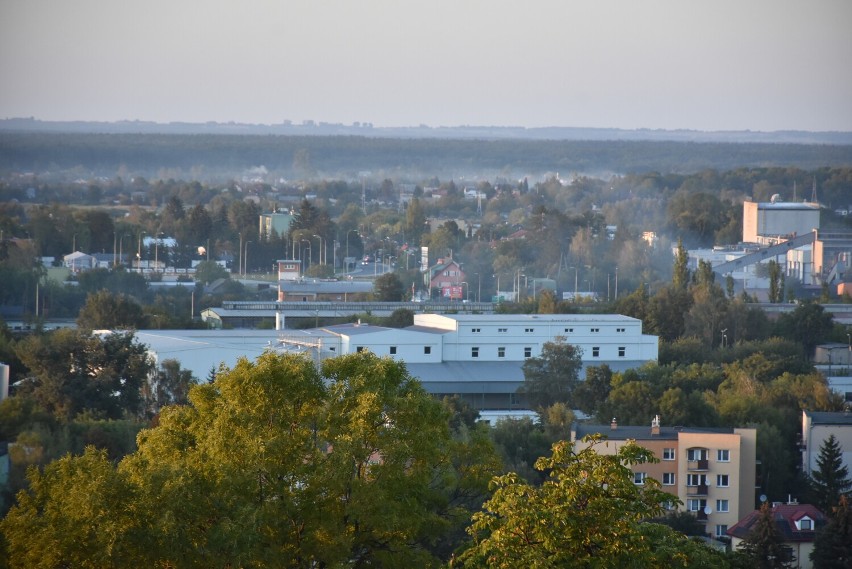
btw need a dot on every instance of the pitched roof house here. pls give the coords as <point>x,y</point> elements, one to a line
<point>797,523</point>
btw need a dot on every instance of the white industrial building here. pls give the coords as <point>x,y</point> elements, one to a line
<point>767,223</point>
<point>478,356</point>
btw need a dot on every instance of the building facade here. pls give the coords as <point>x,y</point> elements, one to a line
<point>817,426</point>
<point>767,222</point>
<point>711,471</point>
<point>478,356</point>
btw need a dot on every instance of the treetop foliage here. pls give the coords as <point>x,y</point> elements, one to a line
<point>275,462</point>
<point>588,513</point>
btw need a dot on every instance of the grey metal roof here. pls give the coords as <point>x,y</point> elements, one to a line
<point>325,287</point>
<point>231,313</point>
<point>427,329</point>
<point>353,329</point>
<point>545,318</point>
<point>829,418</point>
<point>641,432</point>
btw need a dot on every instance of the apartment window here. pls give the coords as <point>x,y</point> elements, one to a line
<point>805,524</point>
<point>569,329</point>
<point>696,504</point>
<point>502,330</point>
<point>359,349</point>
<point>595,330</point>
<point>668,478</point>
<point>476,330</point>
<point>696,479</point>
<point>723,455</point>
<point>393,350</point>
<point>527,352</point>
<point>474,352</point>
<point>529,330</point>
<point>427,349</point>
<point>696,454</point>
<point>721,505</point>
<point>621,351</point>
<point>596,351</point>
<point>619,329</point>
<point>639,478</point>
<point>722,480</point>
<point>501,352</point>
<point>668,454</point>
<point>721,530</point>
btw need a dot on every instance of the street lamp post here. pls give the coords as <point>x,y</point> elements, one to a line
<point>575,283</point>
<point>245,260</point>
<point>310,255</point>
<point>616,283</point>
<point>724,338</point>
<point>478,287</point>
<point>139,253</point>
<point>347,245</point>
<point>321,249</point>
<point>156,252</point>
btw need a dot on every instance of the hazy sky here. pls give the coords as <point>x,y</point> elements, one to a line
<point>695,64</point>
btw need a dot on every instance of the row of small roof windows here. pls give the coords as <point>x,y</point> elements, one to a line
<point>531,330</point>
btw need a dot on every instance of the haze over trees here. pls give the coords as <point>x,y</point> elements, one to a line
<point>548,212</point>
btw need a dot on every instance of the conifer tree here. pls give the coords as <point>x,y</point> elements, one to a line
<point>831,478</point>
<point>764,546</point>
<point>680,276</point>
<point>833,543</point>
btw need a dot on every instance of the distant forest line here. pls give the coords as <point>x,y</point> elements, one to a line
<point>214,156</point>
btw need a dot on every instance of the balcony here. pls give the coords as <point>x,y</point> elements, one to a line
<point>700,490</point>
<point>698,464</point>
<point>701,516</point>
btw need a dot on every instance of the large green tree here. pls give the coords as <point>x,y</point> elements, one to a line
<point>71,371</point>
<point>273,464</point>
<point>105,310</point>
<point>588,513</point>
<point>552,377</point>
<point>388,288</point>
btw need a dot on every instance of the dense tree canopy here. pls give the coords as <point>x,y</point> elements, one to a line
<point>275,463</point>
<point>71,371</point>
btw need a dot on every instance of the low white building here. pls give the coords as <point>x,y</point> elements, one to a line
<point>78,261</point>
<point>481,356</point>
<point>477,356</point>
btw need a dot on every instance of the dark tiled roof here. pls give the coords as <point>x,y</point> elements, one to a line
<point>642,432</point>
<point>786,516</point>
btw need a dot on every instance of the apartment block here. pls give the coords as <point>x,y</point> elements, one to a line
<point>711,471</point>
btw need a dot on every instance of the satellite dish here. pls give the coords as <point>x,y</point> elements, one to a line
<point>775,198</point>
<point>708,510</point>
<point>762,498</point>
